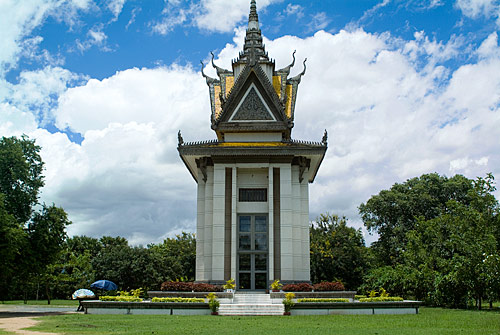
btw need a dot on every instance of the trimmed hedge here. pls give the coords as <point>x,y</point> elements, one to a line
<point>155,299</point>
<point>302,287</point>
<point>323,300</point>
<point>120,298</point>
<point>177,286</point>
<point>329,286</point>
<point>380,299</point>
<point>201,287</point>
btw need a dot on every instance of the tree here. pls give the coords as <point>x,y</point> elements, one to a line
<point>178,257</point>
<point>12,241</point>
<point>338,252</point>
<point>394,212</point>
<point>450,259</point>
<point>21,176</point>
<point>46,234</point>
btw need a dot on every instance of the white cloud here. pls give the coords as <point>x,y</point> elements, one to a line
<point>211,15</point>
<point>297,10</point>
<point>477,8</point>
<point>116,7</point>
<point>96,37</point>
<point>392,109</point>
<point>19,18</point>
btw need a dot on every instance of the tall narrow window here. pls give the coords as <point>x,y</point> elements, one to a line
<point>253,195</point>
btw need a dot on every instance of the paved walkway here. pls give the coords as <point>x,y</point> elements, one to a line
<point>14,318</point>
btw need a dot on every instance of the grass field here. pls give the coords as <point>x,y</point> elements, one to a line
<point>429,321</point>
<point>53,303</point>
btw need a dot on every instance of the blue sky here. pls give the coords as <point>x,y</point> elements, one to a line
<point>404,88</point>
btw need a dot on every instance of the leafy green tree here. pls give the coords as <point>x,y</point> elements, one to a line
<point>21,176</point>
<point>394,212</point>
<point>449,260</point>
<point>46,234</point>
<point>177,256</point>
<point>13,240</point>
<point>338,252</point>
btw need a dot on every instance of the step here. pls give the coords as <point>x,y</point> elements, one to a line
<point>251,309</point>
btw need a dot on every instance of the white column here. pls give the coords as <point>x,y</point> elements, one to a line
<point>200,229</point>
<point>234,236</point>
<point>270,215</point>
<point>207,245</point>
<point>304,186</point>
<point>218,223</point>
<point>296,226</point>
<point>286,222</point>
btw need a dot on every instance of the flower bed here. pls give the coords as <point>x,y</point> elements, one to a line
<point>120,298</point>
<point>380,299</point>
<point>173,286</point>
<point>322,300</point>
<point>187,300</point>
<point>329,286</point>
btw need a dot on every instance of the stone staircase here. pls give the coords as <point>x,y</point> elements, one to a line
<point>251,304</point>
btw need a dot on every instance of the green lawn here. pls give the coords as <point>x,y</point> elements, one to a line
<point>429,321</point>
<point>53,303</point>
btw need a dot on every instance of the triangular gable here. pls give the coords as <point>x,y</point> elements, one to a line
<point>252,76</point>
<point>252,108</point>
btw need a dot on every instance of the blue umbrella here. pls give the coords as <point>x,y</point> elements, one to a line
<point>83,294</point>
<point>104,285</point>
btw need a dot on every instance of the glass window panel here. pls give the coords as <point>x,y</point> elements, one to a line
<point>245,224</point>
<point>261,262</point>
<point>245,242</point>
<point>261,224</point>
<point>244,283</point>
<point>245,262</point>
<point>260,241</point>
<point>253,195</point>
<point>260,281</point>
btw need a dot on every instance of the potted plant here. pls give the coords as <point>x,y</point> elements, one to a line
<point>213,303</point>
<point>229,286</point>
<point>276,286</point>
<point>288,303</point>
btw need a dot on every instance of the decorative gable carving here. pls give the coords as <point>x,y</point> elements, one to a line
<point>252,108</point>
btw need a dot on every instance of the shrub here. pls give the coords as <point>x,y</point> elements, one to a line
<point>302,287</point>
<point>380,299</point>
<point>202,287</point>
<point>323,300</point>
<point>190,300</point>
<point>359,296</point>
<point>213,303</point>
<point>230,285</point>
<point>288,302</point>
<point>329,286</point>
<point>276,285</point>
<point>120,298</point>
<point>177,286</point>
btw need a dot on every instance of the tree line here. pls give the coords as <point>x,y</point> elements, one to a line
<point>439,241</point>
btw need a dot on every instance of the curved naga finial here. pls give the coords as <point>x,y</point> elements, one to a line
<point>287,69</point>
<point>180,139</point>
<point>299,76</point>
<point>219,69</point>
<point>210,80</point>
<point>324,141</point>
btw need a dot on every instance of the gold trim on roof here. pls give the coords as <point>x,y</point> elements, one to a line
<point>229,85</point>
<point>277,85</point>
<point>218,105</point>
<point>250,144</point>
<point>288,110</point>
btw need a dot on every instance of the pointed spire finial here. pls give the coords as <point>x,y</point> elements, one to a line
<point>253,18</point>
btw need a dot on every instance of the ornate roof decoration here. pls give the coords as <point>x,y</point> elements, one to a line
<point>253,66</point>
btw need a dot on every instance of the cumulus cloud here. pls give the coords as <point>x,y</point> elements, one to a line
<point>19,18</point>
<point>478,8</point>
<point>211,15</point>
<point>95,37</point>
